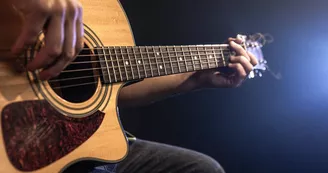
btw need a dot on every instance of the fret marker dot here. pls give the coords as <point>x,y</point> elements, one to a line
<point>126,62</point>
<point>180,59</point>
<point>139,62</point>
<point>157,53</point>
<point>195,57</point>
<point>161,67</point>
<point>211,57</point>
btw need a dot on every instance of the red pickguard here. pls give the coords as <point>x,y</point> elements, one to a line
<point>36,135</point>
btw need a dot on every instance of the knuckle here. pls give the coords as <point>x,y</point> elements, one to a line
<point>255,62</point>
<point>240,59</point>
<point>243,75</point>
<point>244,59</point>
<point>78,6</point>
<point>79,47</point>
<point>69,55</point>
<point>53,74</point>
<point>59,8</point>
<point>241,70</point>
<point>73,8</point>
<point>55,52</point>
<point>239,49</point>
<point>43,8</point>
<point>71,11</point>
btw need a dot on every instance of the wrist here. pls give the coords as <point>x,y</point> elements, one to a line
<point>192,81</point>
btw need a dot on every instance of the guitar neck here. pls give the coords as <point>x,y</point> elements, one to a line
<point>122,64</point>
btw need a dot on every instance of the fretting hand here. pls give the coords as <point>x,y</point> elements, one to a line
<point>61,21</point>
<point>242,64</point>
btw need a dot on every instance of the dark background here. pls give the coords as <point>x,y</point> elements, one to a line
<point>267,125</point>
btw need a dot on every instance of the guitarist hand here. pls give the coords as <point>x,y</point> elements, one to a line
<point>61,21</point>
<point>241,65</point>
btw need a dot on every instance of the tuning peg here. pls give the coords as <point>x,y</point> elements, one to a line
<point>263,61</point>
<point>251,75</point>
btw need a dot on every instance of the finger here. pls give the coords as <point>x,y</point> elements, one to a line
<point>54,70</point>
<point>237,40</point>
<point>240,71</point>
<point>253,59</point>
<point>53,44</point>
<point>33,25</point>
<point>243,61</point>
<point>68,53</point>
<point>239,50</point>
<point>79,30</point>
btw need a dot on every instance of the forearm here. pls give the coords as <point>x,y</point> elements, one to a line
<point>153,89</point>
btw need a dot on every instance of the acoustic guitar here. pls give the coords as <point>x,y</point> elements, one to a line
<point>49,125</point>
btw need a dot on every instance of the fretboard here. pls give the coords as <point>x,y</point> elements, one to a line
<point>121,64</point>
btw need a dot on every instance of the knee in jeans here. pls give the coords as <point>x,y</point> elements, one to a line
<point>209,165</point>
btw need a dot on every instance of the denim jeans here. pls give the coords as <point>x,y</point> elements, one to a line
<point>152,157</point>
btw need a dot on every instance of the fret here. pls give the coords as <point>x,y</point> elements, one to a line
<point>124,62</point>
<point>223,59</point>
<point>129,61</point>
<point>151,68</point>
<point>199,58</point>
<point>215,57</point>
<point>137,62</point>
<point>184,57</point>
<point>119,65</point>
<point>181,59</point>
<point>163,56</point>
<point>113,65</point>
<point>168,52</point>
<point>173,54</point>
<point>155,57</point>
<point>207,58</point>
<point>203,57</point>
<point>104,69</point>
<point>212,57</point>
<point>159,61</point>
<point>192,58</point>
<point>177,57</point>
<point>143,61</point>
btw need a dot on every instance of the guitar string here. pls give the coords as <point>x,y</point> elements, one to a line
<point>147,67</point>
<point>168,52</point>
<point>88,83</point>
<point>137,58</point>
<point>148,58</point>
<point>142,70</point>
<point>145,47</point>
<point>123,61</point>
<point>145,53</point>
<point>136,65</point>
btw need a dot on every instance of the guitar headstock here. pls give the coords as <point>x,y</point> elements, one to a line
<point>254,44</point>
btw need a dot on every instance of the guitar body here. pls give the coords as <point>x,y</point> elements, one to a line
<point>45,129</point>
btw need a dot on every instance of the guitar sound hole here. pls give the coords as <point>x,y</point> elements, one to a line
<point>78,81</point>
